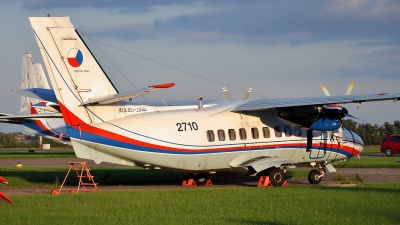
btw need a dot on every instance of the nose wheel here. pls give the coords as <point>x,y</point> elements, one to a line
<point>314,177</point>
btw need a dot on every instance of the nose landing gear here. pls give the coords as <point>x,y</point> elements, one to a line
<point>315,176</point>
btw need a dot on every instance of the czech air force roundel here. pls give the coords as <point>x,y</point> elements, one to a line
<point>75,57</point>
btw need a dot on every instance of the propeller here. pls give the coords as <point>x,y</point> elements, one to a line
<point>344,112</point>
<point>339,109</point>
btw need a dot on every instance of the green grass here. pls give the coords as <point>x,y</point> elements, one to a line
<point>372,149</point>
<point>363,204</point>
<point>39,153</point>
<point>368,162</point>
<point>46,177</point>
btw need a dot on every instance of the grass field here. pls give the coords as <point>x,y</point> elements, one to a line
<point>297,204</point>
<point>363,204</point>
<point>370,162</point>
<point>372,149</point>
<point>47,177</point>
<point>38,153</point>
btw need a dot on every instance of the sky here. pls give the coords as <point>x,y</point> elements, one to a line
<point>277,48</point>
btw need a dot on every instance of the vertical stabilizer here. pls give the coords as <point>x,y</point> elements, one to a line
<point>39,76</point>
<point>27,81</point>
<point>75,74</point>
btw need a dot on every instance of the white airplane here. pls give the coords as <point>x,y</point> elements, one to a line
<point>254,137</point>
<point>34,114</point>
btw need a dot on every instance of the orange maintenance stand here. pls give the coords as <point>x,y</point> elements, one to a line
<point>82,172</point>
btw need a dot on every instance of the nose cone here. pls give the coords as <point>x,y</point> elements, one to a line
<point>354,141</point>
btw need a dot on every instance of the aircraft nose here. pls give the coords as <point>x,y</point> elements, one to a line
<point>353,140</point>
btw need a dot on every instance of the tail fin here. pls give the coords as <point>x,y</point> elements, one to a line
<point>75,74</point>
<point>32,77</point>
<point>27,81</point>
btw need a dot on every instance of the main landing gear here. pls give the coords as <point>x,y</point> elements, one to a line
<point>315,176</point>
<point>271,177</point>
<point>200,179</point>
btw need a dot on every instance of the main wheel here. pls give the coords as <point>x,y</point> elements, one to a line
<point>200,179</point>
<point>313,177</point>
<point>276,177</point>
<point>389,152</point>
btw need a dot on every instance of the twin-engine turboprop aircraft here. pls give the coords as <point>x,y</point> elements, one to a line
<point>256,137</point>
<point>34,114</point>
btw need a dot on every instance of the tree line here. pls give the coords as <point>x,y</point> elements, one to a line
<point>7,140</point>
<point>372,134</point>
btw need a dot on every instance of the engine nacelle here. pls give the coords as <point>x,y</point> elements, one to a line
<point>325,124</point>
<point>326,118</point>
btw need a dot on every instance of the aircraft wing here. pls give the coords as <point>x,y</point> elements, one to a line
<point>38,93</point>
<point>31,116</point>
<point>127,95</point>
<point>269,103</point>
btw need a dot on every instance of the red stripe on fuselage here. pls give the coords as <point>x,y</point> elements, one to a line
<point>78,124</point>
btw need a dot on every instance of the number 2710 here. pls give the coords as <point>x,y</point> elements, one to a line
<point>187,126</point>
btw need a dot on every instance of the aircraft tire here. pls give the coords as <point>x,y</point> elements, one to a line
<point>389,152</point>
<point>200,179</point>
<point>312,177</point>
<point>276,177</point>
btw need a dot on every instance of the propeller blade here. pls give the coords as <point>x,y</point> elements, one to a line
<point>227,95</point>
<point>353,117</point>
<point>325,90</point>
<point>350,88</point>
<point>246,96</point>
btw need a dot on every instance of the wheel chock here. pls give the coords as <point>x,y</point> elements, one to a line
<point>264,182</point>
<point>4,199</point>
<point>73,192</point>
<point>208,183</point>
<point>189,182</point>
<point>55,192</point>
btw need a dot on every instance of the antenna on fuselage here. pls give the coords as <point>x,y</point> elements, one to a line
<point>248,93</point>
<point>201,102</point>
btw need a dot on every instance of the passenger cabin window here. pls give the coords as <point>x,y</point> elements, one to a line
<point>266,132</point>
<point>242,134</point>
<point>210,136</point>
<point>297,131</point>
<point>278,131</point>
<point>221,135</point>
<point>254,133</point>
<point>288,131</point>
<point>232,134</point>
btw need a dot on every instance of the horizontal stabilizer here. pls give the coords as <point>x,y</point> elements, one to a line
<point>128,95</point>
<point>47,106</point>
<point>38,93</point>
